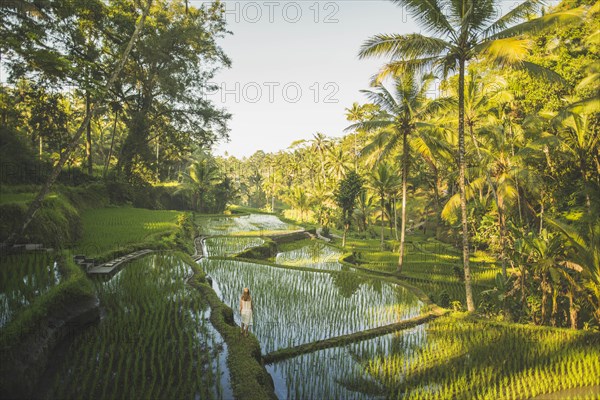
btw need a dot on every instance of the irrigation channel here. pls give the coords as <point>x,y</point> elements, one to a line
<point>319,323</point>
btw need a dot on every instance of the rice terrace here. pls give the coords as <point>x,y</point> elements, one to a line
<point>369,199</point>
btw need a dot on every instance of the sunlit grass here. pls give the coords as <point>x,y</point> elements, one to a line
<point>107,229</point>
<point>468,358</point>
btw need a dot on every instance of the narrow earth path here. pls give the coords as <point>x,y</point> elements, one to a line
<point>111,266</point>
<point>342,340</point>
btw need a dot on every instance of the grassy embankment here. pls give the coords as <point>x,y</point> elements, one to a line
<point>466,356</point>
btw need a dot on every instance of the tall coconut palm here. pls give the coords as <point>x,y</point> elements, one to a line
<point>338,162</point>
<point>461,31</point>
<point>320,144</point>
<point>401,114</point>
<point>383,181</point>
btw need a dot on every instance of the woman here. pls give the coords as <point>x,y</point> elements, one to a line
<point>246,311</point>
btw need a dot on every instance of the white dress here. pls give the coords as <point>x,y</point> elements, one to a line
<point>246,312</point>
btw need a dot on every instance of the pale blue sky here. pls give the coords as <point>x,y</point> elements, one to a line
<point>278,47</point>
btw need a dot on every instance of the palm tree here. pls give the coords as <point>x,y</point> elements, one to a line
<point>383,181</point>
<point>580,138</point>
<point>481,92</point>
<point>299,200</point>
<point>202,175</point>
<point>338,162</point>
<point>365,208</point>
<point>584,257</point>
<point>545,249</point>
<point>320,144</point>
<point>401,114</point>
<point>462,31</point>
<point>321,200</point>
<point>359,113</point>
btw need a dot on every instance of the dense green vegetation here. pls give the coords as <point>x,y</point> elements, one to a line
<point>480,195</point>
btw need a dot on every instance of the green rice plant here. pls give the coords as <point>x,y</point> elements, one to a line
<point>315,254</point>
<point>462,357</point>
<point>286,313</point>
<point>247,225</point>
<point>149,308</point>
<point>228,246</point>
<point>23,278</point>
<point>342,372</point>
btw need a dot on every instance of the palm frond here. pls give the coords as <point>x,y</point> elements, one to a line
<point>395,68</point>
<point>540,72</point>
<point>430,15</point>
<point>396,46</point>
<point>449,212</point>
<point>440,104</point>
<point>520,12</point>
<point>542,23</point>
<point>505,51</point>
<point>381,97</point>
<point>371,126</point>
<point>586,106</point>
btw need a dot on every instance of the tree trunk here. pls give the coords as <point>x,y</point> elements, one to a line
<point>405,160</point>
<point>346,226</point>
<point>390,214</point>
<point>112,144</point>
<point>554,306</point>
<point>88,135</point>
<point>572,310</point>
<point>522,268</point>
<point>542,213</point>
<point>588,202</point>
<point>395,207</point>
<point>502,222</point>
<point>382,222</point>
<point>461,184</point>
<point>37,202</point>
<point>157,154</point>
<point>512,152</point>
<point>544,297</point>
